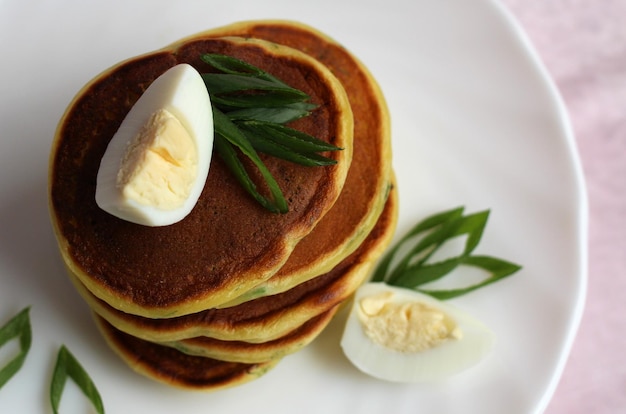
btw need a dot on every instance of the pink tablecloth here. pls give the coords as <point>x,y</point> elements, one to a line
<point>583,44</point>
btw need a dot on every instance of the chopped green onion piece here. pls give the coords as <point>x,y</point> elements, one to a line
<point>68,366</point>
<point>277,115</point>
<point>234,66</point>
<point>290,138</point>
<point>228,64</point>
<point>224,83</point>
<point>18,326</point>
<point>227,89</point>
<point>280,151</point>
<point>417,275</point>
<point>497,268</point>
<point>265,99</point>
<point>225,129</point>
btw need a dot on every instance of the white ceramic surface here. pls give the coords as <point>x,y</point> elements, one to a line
<point>476,122</point>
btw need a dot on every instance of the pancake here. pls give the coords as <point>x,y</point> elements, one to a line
<point>269,317</point>
<point>177,369</point>
<point>247,352</point>
<point>229,243</point>
<point>363,197</point>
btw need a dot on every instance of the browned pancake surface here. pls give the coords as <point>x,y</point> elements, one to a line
<point>228,243</point>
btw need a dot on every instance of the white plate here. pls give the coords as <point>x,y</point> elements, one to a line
<point>476,122</point>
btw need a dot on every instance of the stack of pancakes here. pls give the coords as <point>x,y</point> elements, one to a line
<point>220,297</point>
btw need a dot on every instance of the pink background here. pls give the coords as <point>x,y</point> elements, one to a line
<point>583,45</point>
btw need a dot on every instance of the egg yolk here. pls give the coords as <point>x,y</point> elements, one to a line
<point>160,163</point>
<point>405,326</point>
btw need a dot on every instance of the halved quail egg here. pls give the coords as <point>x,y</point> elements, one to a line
<point>155,166</point>
<point>401,335</point>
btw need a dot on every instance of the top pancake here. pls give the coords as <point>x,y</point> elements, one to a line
<point>228,243</point>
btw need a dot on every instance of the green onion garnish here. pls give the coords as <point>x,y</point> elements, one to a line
<point>17,327</point>
<point>412,269</point>
<point>68,366</point>
<point>250,108</point>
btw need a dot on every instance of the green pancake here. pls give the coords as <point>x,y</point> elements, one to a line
<point>229,243</point>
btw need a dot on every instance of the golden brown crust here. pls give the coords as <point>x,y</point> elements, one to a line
<point>228,243</point>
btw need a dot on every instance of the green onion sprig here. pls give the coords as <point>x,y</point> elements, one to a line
<point>407,263</point>
<point>18,327</point>
<point>250,110</point>
<point>67,366</point>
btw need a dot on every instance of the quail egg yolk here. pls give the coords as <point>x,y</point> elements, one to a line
<point>160,164</point>
<point>405,326</point>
